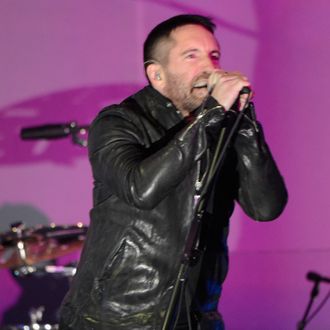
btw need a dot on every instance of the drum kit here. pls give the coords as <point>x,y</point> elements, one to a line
<point>32,251</point>
<point>31,254</point>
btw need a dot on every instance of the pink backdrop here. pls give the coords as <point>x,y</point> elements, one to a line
<point>62,61</point>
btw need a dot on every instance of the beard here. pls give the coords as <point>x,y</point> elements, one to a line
<point>184,96</point>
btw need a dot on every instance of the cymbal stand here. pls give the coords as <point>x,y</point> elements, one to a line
<point>18,228</point>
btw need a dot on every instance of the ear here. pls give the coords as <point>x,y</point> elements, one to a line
<point>156,76</point>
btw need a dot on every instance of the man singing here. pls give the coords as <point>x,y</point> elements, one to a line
<point>151,156</point>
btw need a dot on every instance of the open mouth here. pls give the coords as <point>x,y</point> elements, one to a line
<point>200,88</point>
<point>200,84</point>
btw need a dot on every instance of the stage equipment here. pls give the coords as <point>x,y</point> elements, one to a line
<point>30,255</point>
<point>22,248</point>
<point>56,131</point>
<point>192,252</point>
<point>317,279</point>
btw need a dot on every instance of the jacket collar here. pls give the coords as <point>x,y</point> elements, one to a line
<point>158,106</point>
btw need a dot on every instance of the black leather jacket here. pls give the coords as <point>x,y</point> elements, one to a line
<point>146,160</point>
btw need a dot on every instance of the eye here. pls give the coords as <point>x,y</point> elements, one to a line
<point>215,56</point>
<point>191,56</point>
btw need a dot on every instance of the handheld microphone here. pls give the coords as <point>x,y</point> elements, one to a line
<point>245,90</point>
<point>213,79</point>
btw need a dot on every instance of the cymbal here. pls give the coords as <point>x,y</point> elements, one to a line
<point>35,245</point>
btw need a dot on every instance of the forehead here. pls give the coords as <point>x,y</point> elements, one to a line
<point>193,36</point>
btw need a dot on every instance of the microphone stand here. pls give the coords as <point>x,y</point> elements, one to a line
<point>315,291</point>
<point>191,251</point>
<point>57,131</point>
<point>317,279</point>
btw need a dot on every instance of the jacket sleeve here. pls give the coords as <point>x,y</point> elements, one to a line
<point>139,175</point>
<point>261,189</point>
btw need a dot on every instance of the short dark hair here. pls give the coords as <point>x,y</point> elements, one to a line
<point>162,31</point>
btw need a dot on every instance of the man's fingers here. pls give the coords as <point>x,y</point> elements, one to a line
<point>225,87</point>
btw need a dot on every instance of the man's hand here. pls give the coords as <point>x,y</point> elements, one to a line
<point>225,87</point>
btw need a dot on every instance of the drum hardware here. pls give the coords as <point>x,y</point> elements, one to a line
<point>36,316</point>
<point>18,228</point>
<point>32,252</point>
<point>24,271</point>
<point>32,327</point>
<point>61,270</point>
<point>23,248</point>
<point>49,269</point>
